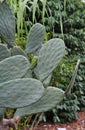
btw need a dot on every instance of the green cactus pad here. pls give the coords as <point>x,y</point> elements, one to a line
<point>20,92</point>
<point>36,37</point>
<point>7,24</point>
<point>13,67</point>
<point>51,97</point>
<point>17,51</point>
<point>4,52</point>
<point>49,57</point>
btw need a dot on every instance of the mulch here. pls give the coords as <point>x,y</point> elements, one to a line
<point>79,124</point>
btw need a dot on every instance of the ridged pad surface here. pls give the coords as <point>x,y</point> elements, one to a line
<point>20,92</point>
<point>51,97</point>
<point>17,51</point>
<point>49,57</point>
<point>7,23</point>
<point>36,37</point>
<point>13,67</point>
<point>4,52</point>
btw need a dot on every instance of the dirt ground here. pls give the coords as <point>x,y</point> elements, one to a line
<point>75,125</point>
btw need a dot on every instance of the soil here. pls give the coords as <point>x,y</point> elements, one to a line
<point>79,124</point>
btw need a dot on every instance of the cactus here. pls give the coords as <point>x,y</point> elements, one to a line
<point>22,84</point>
<point>53,51</point>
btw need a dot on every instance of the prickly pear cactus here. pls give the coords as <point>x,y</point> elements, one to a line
<point>13,85</point>
<point>22,84</point>
<point>49,57</point>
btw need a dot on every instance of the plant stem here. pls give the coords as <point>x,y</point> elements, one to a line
<point>70,86</point>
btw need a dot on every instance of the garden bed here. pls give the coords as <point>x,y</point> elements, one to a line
<point>75,125</point>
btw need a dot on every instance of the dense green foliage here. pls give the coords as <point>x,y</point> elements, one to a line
<point>64,19</point>
<point>72,30</point>
<point>72,27</point>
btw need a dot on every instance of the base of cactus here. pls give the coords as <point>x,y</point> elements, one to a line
<point>6,124</point>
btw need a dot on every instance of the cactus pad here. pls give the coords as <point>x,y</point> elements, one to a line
<point>47,80</point>
<point>36,37</point>
<point>20,92</point>
<point>13,67</point>
<point>49,57</point>
<point>17,51</point>
<point>4,52</point>
<point>28,74</point>
<point>7,24</point>
<point>2,111</point>
<point>51,97</point>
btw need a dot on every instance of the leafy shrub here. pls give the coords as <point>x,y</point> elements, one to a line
<point>64,18</point>
<point>70,25</point>
<point>79,88</point>
<point>27,13</point>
